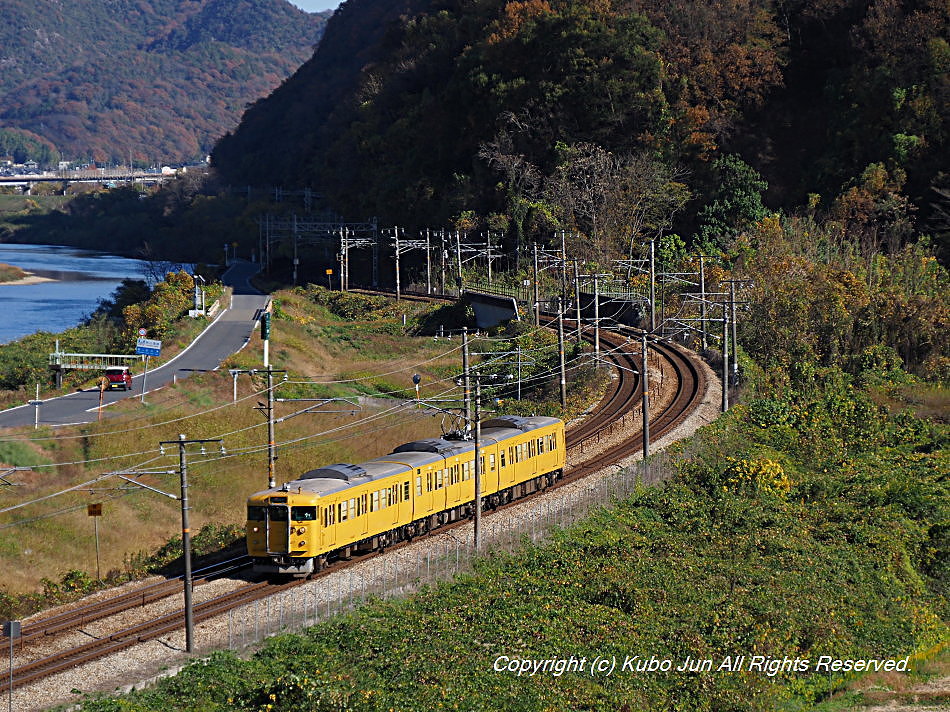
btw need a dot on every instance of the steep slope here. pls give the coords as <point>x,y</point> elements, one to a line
<point>162,79</point>
<point>394,113</point>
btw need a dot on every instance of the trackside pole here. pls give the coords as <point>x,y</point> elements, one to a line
<point>144,378</point>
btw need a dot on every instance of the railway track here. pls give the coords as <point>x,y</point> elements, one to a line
<point>618,410</point>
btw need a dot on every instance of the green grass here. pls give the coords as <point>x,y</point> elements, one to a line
<point>831,548</point>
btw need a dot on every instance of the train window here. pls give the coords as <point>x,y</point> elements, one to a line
<point>553,441</point>
<point>481,463</point>
<point>439,481</point>
<point>374,502</point>
<point>353,511</point>
<point>465,467</point>
<point>361,504</point>
<point>502,456</point>
<point>278,514</point>
<point>418,486</point>
<point>328,518</point>
<point>491,461</point>
<point>540,445</point>
<point>303,514</point>
<point>383,498</point>
<point>256,514</point>
<point>341,509</point>
<point>405,491</point>
<point>531,451</point>
<point>428,482</point>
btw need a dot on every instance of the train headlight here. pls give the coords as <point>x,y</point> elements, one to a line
<point>255,529</point>
<point>302,530</point>
<point>303,545</point>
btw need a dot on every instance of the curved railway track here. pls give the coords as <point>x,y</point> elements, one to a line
<point>617,411</point>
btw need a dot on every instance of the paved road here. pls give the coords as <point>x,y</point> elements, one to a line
<point>228,334</point>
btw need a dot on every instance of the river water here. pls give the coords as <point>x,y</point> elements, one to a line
<point>81,277</point>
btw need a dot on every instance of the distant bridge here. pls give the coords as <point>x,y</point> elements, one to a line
<point>95,175</point>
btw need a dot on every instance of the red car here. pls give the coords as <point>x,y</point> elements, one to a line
<point>119,377</point>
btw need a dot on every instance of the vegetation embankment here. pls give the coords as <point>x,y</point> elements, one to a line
<point>333,346</point>
<point>10,273</point>
<point>112,328</point>
<point>797,526</point>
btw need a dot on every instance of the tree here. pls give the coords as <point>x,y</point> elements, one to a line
<point>736,202</point>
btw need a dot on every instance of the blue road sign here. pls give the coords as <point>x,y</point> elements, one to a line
<point>148,347</point>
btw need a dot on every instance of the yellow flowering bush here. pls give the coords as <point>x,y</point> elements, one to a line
<point>763,475</point>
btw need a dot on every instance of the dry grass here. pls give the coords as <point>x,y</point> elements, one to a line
<point>906,692</point>
<point>926,400</point>
<point>52,536</point>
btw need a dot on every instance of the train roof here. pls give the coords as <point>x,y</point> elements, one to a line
<point>338,477</point>
<point>410,458</point>
<point>440,446</point>
<point>520,422</point>
<point>330,479</point>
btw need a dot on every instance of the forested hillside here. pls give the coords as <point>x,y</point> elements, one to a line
<point>158,79</point>
<point>418,110</point>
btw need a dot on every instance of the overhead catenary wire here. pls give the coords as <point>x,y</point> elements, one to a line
<point>293,444</point>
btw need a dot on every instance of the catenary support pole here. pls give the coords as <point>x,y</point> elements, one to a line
<point>560,351</point>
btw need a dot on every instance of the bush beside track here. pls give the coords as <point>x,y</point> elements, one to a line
<point>811,524</point>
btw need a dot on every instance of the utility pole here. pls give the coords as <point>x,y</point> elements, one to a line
<point>396,240</point>
<point>560,351</point>
<point>563,265</point>
<point>186,532</point>
<point>537,291</point>
<point>466,383</point>
<point>596,321</point>
<point>444,253</point>
<point>646,399</point>
<point>458,259</point>
<point>735,350</point>
<point>477,528</point>
<point>725,358</point>
<point>428,262</point>
<point>518,350</point>
<point>296,261</point>
<point>702,300</point>
<point>271,445</point>
<point>652,287</point>
<point>577,301</point>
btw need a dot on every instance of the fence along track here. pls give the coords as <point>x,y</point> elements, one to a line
<point>617,412</point>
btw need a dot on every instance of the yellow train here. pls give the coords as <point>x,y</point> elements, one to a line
<point>338,510</point>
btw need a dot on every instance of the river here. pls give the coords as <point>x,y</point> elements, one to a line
<point>81,279</point>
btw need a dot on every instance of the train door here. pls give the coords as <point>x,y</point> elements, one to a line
<point>277,528</point>
<point>328,530</point>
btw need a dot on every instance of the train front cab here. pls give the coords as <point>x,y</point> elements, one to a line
<point>281,531</point>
